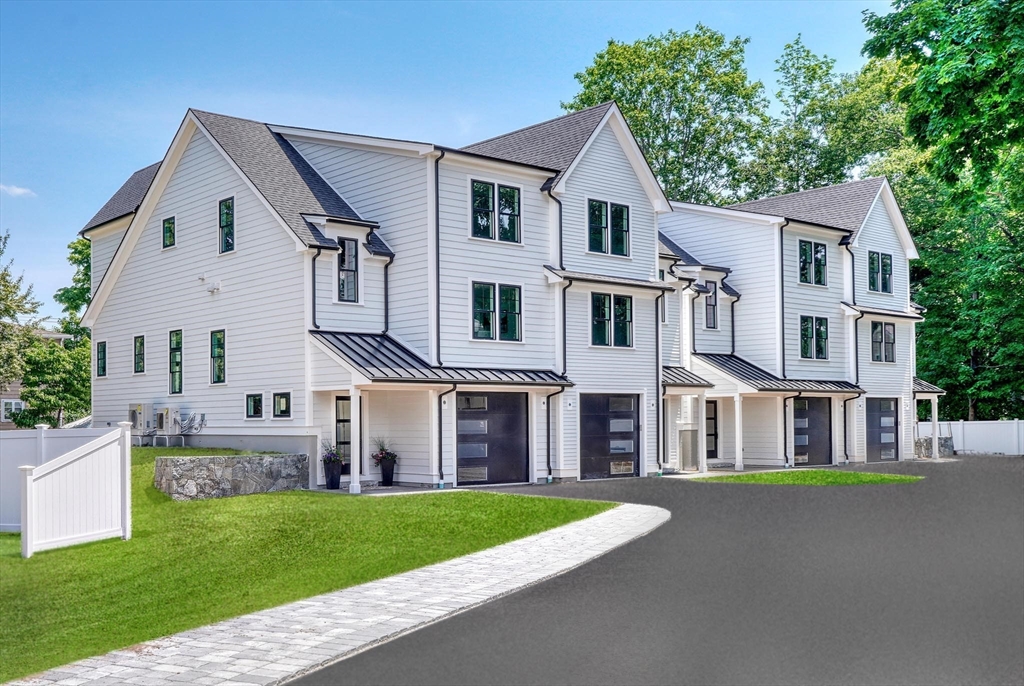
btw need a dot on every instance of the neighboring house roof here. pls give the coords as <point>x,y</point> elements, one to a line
<point>681,376</point>
<point>552,144</point>
<point>280,174</point>
<point>882,312</point>
<point>763,380</point>
<point>602,278</point>
<point>922,386</point>
<point>844,206</point>
<point>127,198</point>
<point>379,357</point>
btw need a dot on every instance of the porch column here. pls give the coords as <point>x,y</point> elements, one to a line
<point>356,424</point>
<point>702,433</point>
<point>935,427</point>
<point>739,432</point>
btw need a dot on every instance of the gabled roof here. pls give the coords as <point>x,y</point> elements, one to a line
<point>552,144</point>
<point>280,174</point>
<point>844,206</point>
<point>379,357</point>
<point>127,198</point>
<point>922,386</point>
<point>681,376</point>
<point>763,380</point>
<point>672,247</point>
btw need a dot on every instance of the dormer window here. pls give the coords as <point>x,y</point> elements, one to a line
<point>604,236</point>
<point>879,272</point>
<point>813,263</point>
<point>488,196</point>
<point>711,305</point>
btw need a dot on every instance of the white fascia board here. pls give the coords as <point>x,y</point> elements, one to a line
<point>641,168</point>
<point>357,377</point>
<point>367,142</point>
<point>496,165</point>
<point>708,369</point>
<point>727,213</point>
<point>887,197</point>
<point>108,227</point>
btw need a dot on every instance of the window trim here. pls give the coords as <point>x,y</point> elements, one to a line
<point>814,338</point>
<point>135,367</point>
<point>611,321</point>
<point>3,412</point>
<point>496,312</point>
<point>234,225</point>
<point>337,274</point>
<point>632,312</point>
<point>181,371</point>
<point>273,405</point>
<point>799,276</point>
<point>607,252</point>
<point>495,212</point>
<point>97,359</point>
<point>210,358</point>
<point>245,406</point>
<point>880,273</point>
<point>172,218</point>
<point>714,292</point>
<point>882,343</point>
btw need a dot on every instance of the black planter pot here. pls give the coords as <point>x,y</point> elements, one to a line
<point>387,472</point>
<point>346,469</point>
<point>332,472</point>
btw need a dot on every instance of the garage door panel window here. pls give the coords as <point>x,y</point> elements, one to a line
<point>619,425</point>
<point>472,450</point>
<point>472,426</point>
<point>472,402</point>
<point>620,446</point>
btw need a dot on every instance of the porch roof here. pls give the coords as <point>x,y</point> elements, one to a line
<point>763,380</point>
<point>681,376</point>
<point>922,386</point>
<point>381,358</point>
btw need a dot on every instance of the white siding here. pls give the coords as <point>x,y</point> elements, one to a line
<point>761,425</point>
<point>888,380</point>
<point>879,235</point>
<point>260,304</point>
<point>102,249</point>
<point>718,340</point>
<point>327,372</point>
<point>671,331</point>
<point>604,173</point>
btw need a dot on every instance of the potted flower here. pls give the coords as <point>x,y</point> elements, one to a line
<point>385,458</point>
<point>334,464</point>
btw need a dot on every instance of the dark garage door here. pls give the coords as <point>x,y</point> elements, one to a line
<point>812,431</point>
<point>609,436</point>
<point>492,431</point>
<point>883,429</point>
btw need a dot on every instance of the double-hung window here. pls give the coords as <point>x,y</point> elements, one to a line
<point>101,358</point>
<point>611,320</point>
<point>879,272</point>
<point>139,355</point>
<point>606,236</point>
<point>487,196</point>
<point>218,361</point>
<point>348,270</point>
<point>227,225</point>
<point>174,362</point>
<point>813,263</point>
<point>711,306</point>
<point>168,233</point>
<point>814,338</point>
<point>883,342</point>
<point>509,312</point>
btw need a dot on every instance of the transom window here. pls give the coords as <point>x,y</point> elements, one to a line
<point>139,353</point>
<point>254,406</point>
<point>227,225</point>
<point>174,345</point>
<point>509,313</point>
<point>814,338</point>
<point>487,196</point>
<point>813,263</point>
<point>282,405</point>
<point>348,270</point>
<point>611,320</point>
<point>879,272</point>
<point>218,357</point>
<point>604,236</point>
<point>711,305</point>
<point>168,232</point>
<point>101,358</point>
<point>883,342</point>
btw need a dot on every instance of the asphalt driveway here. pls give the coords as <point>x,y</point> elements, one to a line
<point>917,583</point>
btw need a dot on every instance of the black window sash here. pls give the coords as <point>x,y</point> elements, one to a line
<point>254,406</point>
<point>821,338</point>
<point>874,268</point>
<point>483,209</point>
<point>139,350</point>
<point>876,341</point>
<point>889,342</point>
<point>174,361</point>
<point>509,313</point>
<point>619,230</point>
<point>226,219</point>
<point>807,337</point>
<point>597,226</point>
<point>623,326</point>
<point>348,270</point>
<point>711,306</point>
<point>806,252</point>
<point>101,358</point>
<point>509,214</point>
<point>886,269</point>
<point>820,264</point>
<point>168,232</point>
<point>282,405</point>
<point>218,356</point>
<point>600,319</point>
<point>483,310</point>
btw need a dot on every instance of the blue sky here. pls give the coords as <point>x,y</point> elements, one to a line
<point>90,92</point>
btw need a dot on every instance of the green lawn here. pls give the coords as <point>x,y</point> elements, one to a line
<point>813,477</point>
<point>193,563</point>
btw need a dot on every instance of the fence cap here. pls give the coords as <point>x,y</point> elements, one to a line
<point>124,425</point>
<point>42,426</point>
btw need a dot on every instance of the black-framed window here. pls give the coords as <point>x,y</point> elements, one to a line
<point>282,406</point>
<point>101,358</point>
<point>599,238</point>
<point>483,210</point>
<point>174,346</point>
<point>813,263</point>
<point>508,214</point>
<point>814,338</point>
<point>600,319</point>
<point>487,196</point>
<point>711,305</point>
<point>348,270</point>
<point>879,272</point>
<point>218,356</point>
<point>507,306</point>
<point>883,342</point>
<point>483,311</point>
<point>623,309</point>
<point>139,354</point>
<point>509,314</point>
<point>254,406</point>
<point>343,427</point>
<point>227,224</point>
<point>168,232</point>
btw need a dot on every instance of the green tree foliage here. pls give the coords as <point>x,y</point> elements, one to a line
<point>689,103</point>
<point>56,384</point>
<point>75,298</point>
<point>17,318</point>
<point>968,97</point>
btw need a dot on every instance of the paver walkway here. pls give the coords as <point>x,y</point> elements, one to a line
<point>278,644</point>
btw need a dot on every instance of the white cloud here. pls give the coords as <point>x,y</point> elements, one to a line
<point>16,191</point>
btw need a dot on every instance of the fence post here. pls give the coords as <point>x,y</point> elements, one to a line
<point>126,479</point>
<point>26,510</point>
<point>963,437</point>
<point>40,442</point>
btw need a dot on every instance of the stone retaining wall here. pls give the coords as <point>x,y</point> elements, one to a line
<point>219,476</point>
<point>923,446</point>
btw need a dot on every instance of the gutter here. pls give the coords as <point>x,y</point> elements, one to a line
<point>785,431</point>
<point>782,295</point>
<point>386,287</point>
<point>548,398</point>
<point>316,255</point>
<point>732,324</point>
<point>437,254</point>
<point>853,271</point>
<point>440,436</point>
<point>561,263</point>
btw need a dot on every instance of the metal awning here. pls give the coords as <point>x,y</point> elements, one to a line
<point>922,386</point>
<point>882,312</point>
<point>681,376</point>
<point>381,358</point>
<point>763,380</point>
<point>569,275</point>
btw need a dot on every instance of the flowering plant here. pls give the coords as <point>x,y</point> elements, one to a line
<point>382,450</point>
<point>330,454</point>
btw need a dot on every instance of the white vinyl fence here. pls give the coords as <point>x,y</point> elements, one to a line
<point>999,437</point>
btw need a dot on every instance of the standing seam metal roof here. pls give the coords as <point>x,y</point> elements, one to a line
<point>763,380</point>
<point>681,376</point>
<point>922,386</point>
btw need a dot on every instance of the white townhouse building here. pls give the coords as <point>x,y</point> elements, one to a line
<point>505,312</point>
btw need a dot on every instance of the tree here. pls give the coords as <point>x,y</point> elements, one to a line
<point>968,98</point>
<point>75,298</point>
<point>56,384</point>
<point>689,103</point>
<point>17,319</point>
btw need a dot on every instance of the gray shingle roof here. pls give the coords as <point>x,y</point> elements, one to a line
<point>922,386</point>
<point>681,376</point>
<point>280,174</point>
<point>376,245</point>
<point>729,290</point>
<point>685,258</point>
<point>552,144</point>
<point>127,198</point>
<point>763,380</point>
<point>381,358</point>
<point>844,206</point>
